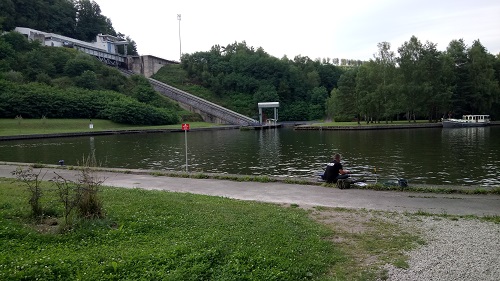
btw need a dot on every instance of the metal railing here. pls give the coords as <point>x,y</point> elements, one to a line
<point>212,109</point>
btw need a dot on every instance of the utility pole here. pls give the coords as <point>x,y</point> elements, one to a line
<point>180,45</point>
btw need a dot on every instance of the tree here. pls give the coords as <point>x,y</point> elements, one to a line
<point>265,93</point>
<point>410,54</point>
<point>385,62</point>
<point>344,103</point>
<point>317,103</point>
<point>62,18</point>
<point>435,90</point>
<point>88,80</point>
<point>90,22</point>
<point>79,64</point>
<point>366,87</point>
<point>460,83</point>
<point>131,47</point>
<point>7,15</point>
<point>36,62</point>
<point>484,87</point>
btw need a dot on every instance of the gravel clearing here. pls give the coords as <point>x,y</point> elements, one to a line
<point>464,249</point>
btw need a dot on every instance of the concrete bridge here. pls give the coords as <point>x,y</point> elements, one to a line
<point>209,111</point>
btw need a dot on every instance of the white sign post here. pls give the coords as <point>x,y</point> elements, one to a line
<point>185,128</point>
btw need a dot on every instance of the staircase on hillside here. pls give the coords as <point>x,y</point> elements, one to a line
<point>210,112</point>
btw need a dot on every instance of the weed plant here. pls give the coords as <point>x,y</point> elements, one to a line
<point>88,187</point>
<point>32,181</point>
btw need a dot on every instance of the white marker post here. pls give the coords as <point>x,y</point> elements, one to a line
<point>185,128</point>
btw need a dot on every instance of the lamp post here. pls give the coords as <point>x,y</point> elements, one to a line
<point>180,46</point>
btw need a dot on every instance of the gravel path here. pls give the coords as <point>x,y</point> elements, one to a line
<point>467,249</point>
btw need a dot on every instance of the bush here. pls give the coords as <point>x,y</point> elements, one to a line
<point>33,181</point>
<point>76,66</point>
<point>133,112</point>
<point>36,100</point>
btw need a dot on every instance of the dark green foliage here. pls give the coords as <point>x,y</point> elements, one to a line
<point>6,50</point>
<point>421,82</point>
<point>80,19</point>
<point>426,83</point>
<point>70,84</point>
<point>238,77</point>
<point>76,66</point>
<point>19,42</point>
<point>88,80</point>
<point>7,9</point>
<point>36,100</point>
<point>129,111</point>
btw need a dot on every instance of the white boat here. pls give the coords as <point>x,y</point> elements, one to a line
<point>467,121</point>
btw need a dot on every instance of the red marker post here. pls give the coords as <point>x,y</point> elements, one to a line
<point>185,128</point>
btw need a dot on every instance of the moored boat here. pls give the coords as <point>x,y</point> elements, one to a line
<point>467,121</point>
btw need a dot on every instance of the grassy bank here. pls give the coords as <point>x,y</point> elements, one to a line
<point>154,235</point>
<point>13,127</point>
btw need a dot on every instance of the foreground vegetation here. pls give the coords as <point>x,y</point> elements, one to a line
<point>154,235</point>
<point>14,127</point>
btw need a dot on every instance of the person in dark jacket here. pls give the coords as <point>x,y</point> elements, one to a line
<point>334,171</point>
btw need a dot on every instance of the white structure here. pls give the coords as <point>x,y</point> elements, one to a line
<point>105,48</point>
<point>467,121</point>
<point>274,105</point>
<point>104,42</point>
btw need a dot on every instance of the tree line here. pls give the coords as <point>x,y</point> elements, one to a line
<point>79,19</point>
<point>421,82</point>
<point>239,76</point>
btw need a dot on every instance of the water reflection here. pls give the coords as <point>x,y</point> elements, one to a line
<point>433,156</point>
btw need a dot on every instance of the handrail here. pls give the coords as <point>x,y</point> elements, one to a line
<point>223,113</point>
<point>244,120</point>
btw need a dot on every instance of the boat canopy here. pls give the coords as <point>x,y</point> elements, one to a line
<point>476,117</point>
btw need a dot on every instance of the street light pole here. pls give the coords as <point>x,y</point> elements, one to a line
<point>180,46</point>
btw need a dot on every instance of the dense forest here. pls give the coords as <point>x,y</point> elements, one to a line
<point>79,19</point>
<point>420,83</point>
<point>242,76</point>
<point>46,82</point>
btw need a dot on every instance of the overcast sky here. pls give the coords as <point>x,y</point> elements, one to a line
<point>347,29</point>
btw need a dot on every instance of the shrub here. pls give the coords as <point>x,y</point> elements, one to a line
<point>131,112</point>
<point>32,181</point>
<point>89,184</point>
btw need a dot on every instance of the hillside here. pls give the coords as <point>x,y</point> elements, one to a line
<point>79,19</point>
<point>418,83</point>
<point>38,81</point>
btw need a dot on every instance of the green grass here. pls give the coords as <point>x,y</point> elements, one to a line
<point>13,127</point>
<point>156,235</point>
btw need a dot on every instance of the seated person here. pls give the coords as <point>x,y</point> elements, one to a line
<point>334,171</point>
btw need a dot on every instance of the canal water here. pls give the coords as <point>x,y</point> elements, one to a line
<point>462,156</point>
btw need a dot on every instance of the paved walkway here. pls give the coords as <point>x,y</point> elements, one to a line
<point>303,195</point>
